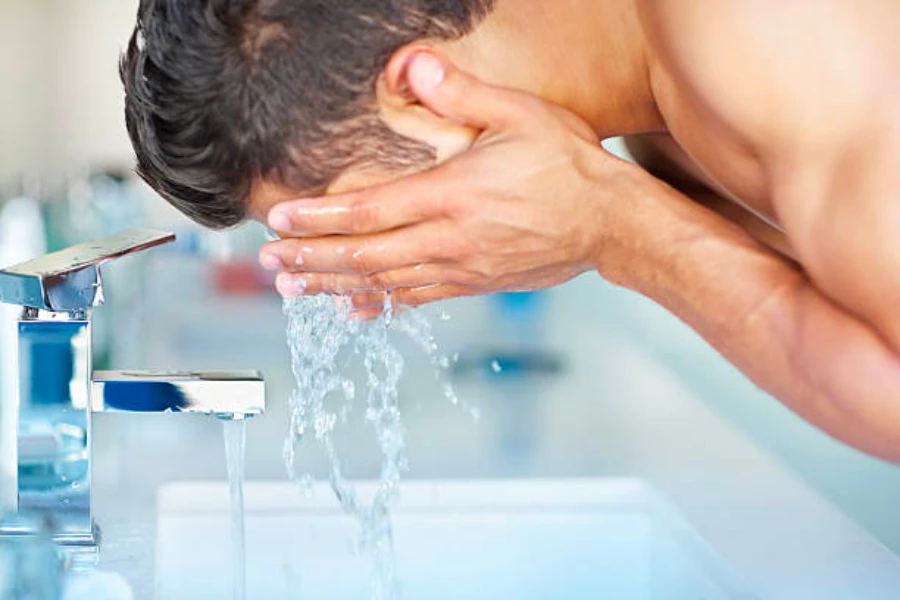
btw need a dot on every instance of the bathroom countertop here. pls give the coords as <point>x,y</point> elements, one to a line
<point>618,410</point>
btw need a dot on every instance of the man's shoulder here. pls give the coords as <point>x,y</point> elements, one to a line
<point>782,76</point>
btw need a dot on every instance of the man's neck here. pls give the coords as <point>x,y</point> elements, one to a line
<point>586,55</point>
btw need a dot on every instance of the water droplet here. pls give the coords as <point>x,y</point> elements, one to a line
<point>306,485</point>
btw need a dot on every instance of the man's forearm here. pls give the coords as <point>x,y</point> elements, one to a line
<point>761,312</point>
<point>755,227</point>
<point>660,156</point>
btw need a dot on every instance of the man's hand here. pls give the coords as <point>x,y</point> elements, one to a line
<point>523,209</point>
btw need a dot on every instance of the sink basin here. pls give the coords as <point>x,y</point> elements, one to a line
<point>608,538</point>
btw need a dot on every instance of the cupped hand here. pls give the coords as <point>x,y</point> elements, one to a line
<point>524,208</point>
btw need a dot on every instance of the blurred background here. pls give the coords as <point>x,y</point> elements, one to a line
<point>556,376</point>
<point>60,88</point>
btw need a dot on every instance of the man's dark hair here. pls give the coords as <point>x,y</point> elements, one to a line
<point>220,93</point>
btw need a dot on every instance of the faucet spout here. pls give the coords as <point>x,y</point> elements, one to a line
<point>230,395</point>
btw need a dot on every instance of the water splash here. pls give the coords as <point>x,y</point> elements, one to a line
<point>321,333</point>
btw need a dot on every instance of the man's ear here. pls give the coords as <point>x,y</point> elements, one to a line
<point>402,111</point>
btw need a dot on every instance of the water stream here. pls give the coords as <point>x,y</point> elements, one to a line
<point>235,445</point>
<point>324,341</point>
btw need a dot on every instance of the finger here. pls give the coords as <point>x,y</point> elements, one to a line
<point>366,314</point>
<point>372,210</point>
<point>414,297</point>
<point>366,306</point>
<point>313,284</point>
<point>449,92</point>
<point>363,255</point>
<point>361,306</point>
<point>367,300</point>
<point>372,312</point>
<point>461,97</point>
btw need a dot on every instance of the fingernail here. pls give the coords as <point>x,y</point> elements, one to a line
<point>279,221</point>
<point>426,72</point>
<point>270,262</point>
<point>289,285</point>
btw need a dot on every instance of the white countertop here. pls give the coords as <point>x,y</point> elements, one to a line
<point>626,406</point>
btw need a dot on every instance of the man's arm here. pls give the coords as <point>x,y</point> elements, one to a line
<point>812,89</point>
<point>536,199</point>
<point>660,156</point>
<point>764,315</point>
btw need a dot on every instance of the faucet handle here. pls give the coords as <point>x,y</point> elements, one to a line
<point>69,280</point>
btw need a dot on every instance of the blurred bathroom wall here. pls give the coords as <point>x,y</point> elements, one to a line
<point>24,84</point>
<point>60,97</point>
<point>87,123</point>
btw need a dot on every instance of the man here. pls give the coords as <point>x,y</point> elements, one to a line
<point>457,144</point>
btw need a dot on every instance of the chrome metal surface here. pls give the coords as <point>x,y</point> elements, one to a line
<point>69,280</point>
<point>54,423</point>
<point>224,394</point>
<point>49,466</point>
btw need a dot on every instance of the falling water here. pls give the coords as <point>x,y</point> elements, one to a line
<point>321,335</point>
<point>235,445</point>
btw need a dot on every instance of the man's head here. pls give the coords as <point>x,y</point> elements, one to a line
<point>235,105</point>
<point>224,94</point>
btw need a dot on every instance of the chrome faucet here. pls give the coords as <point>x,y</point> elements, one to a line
<point>45,429</point>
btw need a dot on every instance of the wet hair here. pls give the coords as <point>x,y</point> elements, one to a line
<point>222,93</point>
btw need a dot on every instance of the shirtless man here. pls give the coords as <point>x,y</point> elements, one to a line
<point>766,212</point>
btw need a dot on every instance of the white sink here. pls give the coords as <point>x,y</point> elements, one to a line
<point>466,540</point>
